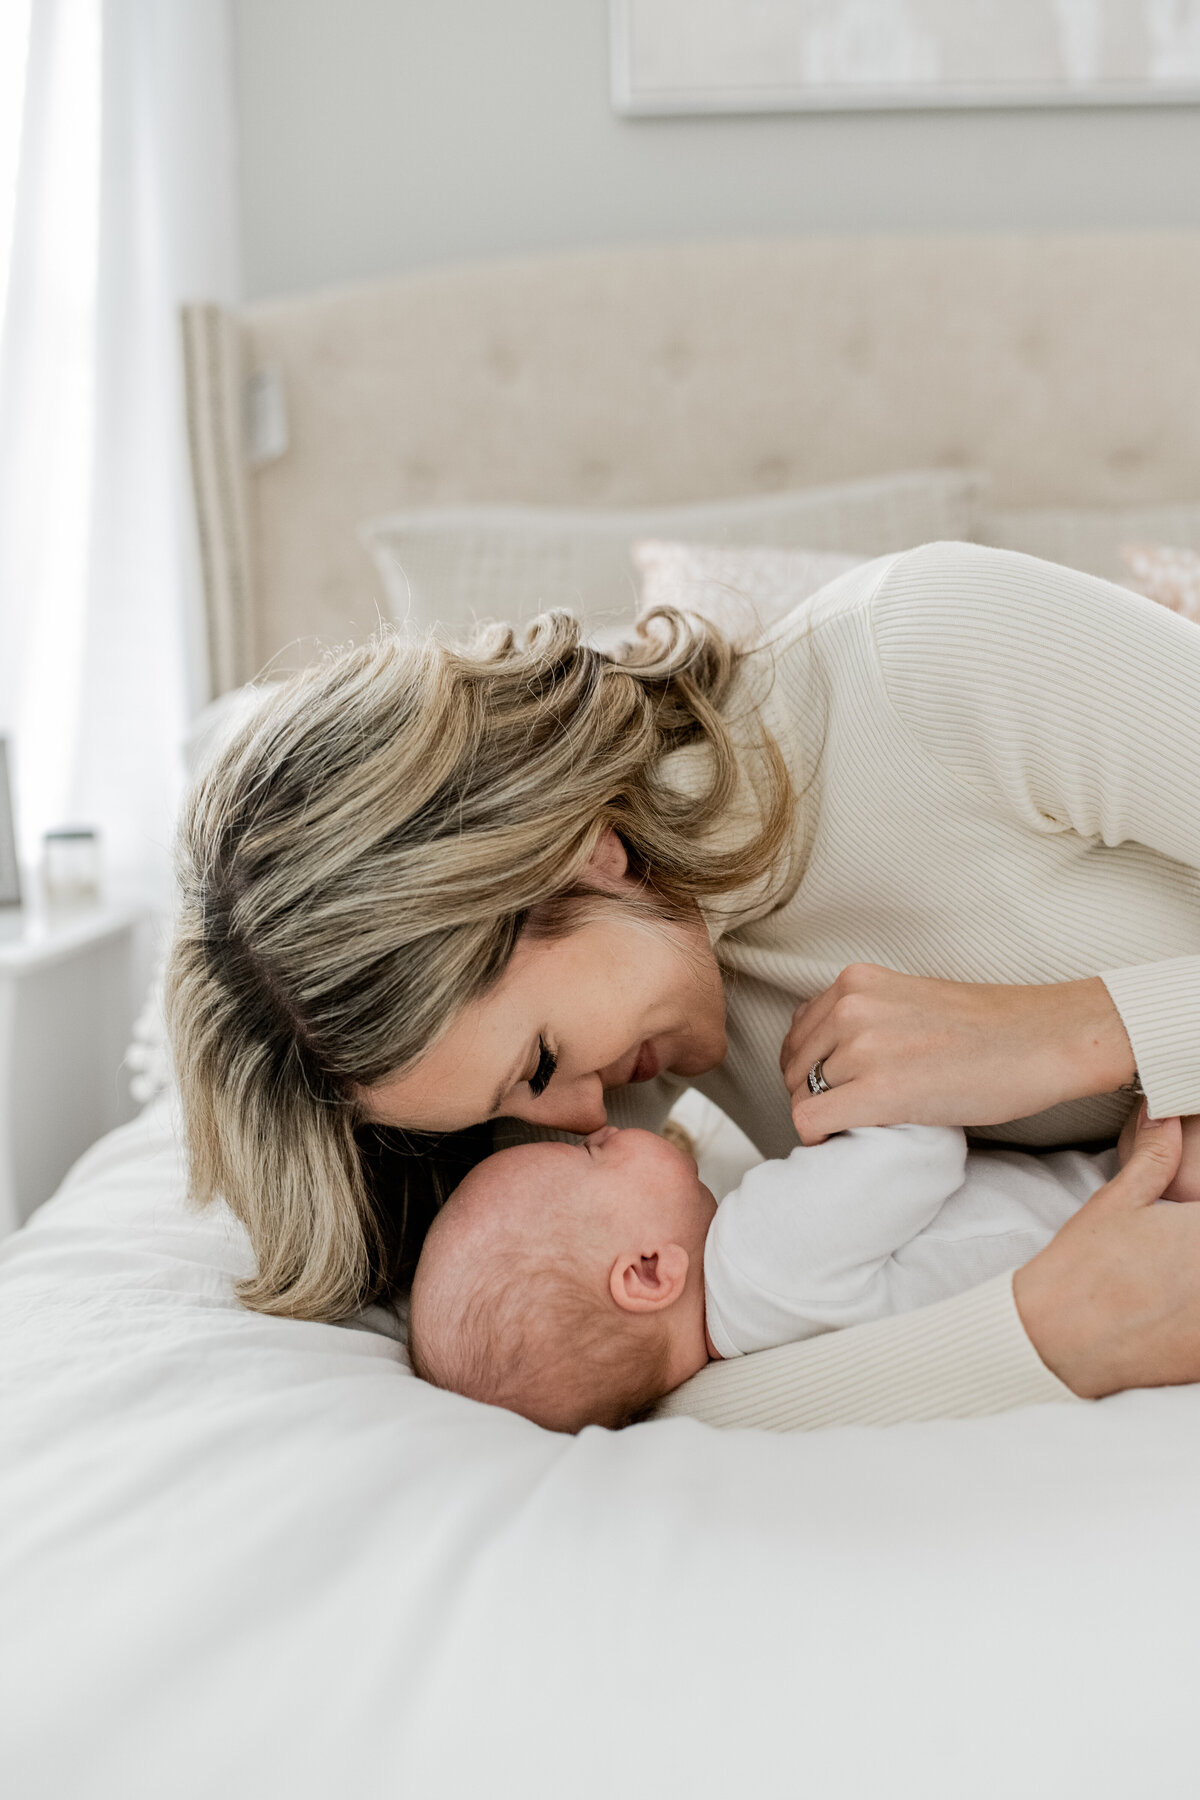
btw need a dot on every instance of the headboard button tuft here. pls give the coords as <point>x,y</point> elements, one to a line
<point>420,481</point>
<point>677,360</point>
<point>595,476</point>
<point>502,361</point>
<point>770,472</point>
<point>1033,346</point>
<point>858,349</point>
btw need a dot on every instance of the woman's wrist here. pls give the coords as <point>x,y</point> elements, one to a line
<point>1092,1047</point>
<point>1062,1318</point>
<point>1058,1323</point>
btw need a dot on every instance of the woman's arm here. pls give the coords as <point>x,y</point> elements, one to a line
<point>961,1359</point>
<point>1068,705</point>
<point>1109,1304</point>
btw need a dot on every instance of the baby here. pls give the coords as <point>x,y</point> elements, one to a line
<point>579,1283</point>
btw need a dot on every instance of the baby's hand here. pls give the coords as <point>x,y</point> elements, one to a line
<point>1185,1184</point>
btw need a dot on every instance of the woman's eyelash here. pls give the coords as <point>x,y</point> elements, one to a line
<point>547,1063</point>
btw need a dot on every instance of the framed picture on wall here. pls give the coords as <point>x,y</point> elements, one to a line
<point>10,876</point>
<point>697,56</point>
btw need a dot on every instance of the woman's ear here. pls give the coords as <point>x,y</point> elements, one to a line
<point>608,864</point>
<point>649,1280</point>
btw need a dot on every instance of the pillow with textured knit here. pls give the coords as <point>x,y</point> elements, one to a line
<point>1090,538</point>
<point>741,589</point>
<point>1166,573</point>
<point>451,566</point>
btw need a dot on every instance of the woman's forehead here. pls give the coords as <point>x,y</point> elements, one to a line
<point>456,1082</point>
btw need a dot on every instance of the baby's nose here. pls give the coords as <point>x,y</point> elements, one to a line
<point>594,1139</point>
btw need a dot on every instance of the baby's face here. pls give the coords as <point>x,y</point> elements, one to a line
<point>630,1182</point>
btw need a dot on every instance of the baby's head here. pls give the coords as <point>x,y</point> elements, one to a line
<point>566,1281</point>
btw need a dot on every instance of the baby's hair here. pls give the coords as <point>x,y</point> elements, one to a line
<point>531,1334</point>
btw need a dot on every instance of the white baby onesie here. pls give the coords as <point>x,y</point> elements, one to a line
<point>878,1221</point>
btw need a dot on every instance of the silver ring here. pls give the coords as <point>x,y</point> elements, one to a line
<point>817,1083</point>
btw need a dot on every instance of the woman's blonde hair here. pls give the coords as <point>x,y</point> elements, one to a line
<point>358,865</point>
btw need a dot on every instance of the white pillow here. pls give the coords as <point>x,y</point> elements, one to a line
<point>454,565</point>
<point>1091,538</point>
<point>743,590</point>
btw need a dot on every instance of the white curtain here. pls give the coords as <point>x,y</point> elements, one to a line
<point>117,201</point>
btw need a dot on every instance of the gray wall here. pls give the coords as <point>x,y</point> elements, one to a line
<point>380,135</point>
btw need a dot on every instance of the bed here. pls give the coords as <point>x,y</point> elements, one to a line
<point>256,1556</point>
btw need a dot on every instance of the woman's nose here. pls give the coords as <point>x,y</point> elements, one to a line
<point>579,1107</point>
<point>568,1106</point>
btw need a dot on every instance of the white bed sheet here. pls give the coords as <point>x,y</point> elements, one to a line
<point>245,1556</point>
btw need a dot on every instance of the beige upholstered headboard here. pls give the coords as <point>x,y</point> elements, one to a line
<point>1067,366</point>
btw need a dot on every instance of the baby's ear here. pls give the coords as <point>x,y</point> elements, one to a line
<point>650,1280</point>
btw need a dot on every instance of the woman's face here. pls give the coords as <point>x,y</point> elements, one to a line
<point>615,1001</point>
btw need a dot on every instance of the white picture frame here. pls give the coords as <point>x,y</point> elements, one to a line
<point>10,873</point>
<point>751,56</point>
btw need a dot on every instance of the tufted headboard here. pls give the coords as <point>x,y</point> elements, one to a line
<point>1067,366</point>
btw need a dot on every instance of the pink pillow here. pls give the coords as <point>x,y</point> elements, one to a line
<point>1166,574</point>
<point>742,588</point>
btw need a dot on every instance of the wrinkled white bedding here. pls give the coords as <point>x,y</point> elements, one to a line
<point>246,1556</point>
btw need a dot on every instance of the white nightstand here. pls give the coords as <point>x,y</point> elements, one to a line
<point>69,992</point>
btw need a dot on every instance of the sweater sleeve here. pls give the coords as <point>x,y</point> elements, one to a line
<point>1073,704</point>
<point>807,1244</point>
<point>964,1358</point>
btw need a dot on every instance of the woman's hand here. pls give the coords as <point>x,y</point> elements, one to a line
<point>906,1049</point>
<point>1113,1301</point>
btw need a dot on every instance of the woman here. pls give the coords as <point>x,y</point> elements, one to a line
<point>433,890</point>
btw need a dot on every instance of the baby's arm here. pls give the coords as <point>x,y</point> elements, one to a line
<point>805,1244</point>
<point>1186,1182</point>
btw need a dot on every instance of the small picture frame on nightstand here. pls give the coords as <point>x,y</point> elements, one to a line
<point>10,874</point>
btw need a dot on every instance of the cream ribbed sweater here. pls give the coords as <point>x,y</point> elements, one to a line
<point>1000,768</point>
